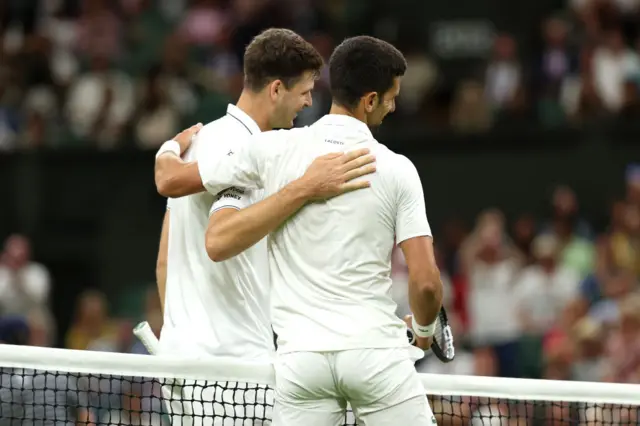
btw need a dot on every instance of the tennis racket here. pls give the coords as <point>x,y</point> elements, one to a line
<point>442,345</point>
<point>144,333</point>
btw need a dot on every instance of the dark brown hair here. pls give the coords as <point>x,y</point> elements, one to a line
<point>278,54</point>
<point>363,64</point>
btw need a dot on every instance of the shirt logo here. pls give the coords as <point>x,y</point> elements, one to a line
<point>230,153</point>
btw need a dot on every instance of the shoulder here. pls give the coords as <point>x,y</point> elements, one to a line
<point>215,127</point>
<point>215,136</point>
<point>396,167</point>
<point>400,164</point>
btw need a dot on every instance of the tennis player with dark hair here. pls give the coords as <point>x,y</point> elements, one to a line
<point>331,262</point>
<point>222,309</point>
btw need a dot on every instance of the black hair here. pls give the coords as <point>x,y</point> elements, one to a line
<point>363,64</point>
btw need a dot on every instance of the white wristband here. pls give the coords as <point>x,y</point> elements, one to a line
<point>169,146</point>
<point>423,331</point>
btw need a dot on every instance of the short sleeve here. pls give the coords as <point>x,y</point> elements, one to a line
<point>232,198</point>
<point>411,215</point>
<point>225,163</point>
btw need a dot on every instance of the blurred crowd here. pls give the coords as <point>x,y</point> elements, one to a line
<point>131,73</point>
<point>552,297</point>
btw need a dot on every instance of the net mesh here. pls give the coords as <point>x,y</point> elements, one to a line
<point>36,396</point>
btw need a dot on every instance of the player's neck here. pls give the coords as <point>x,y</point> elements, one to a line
<point>340,110</point>
<point>250,105</point>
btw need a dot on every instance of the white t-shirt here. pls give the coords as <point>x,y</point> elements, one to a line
<point>491,304</point>
<point>330,264</point>
<point>542,296</point>
<point>219,309</point>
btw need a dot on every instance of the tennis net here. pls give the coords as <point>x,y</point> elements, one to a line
<point>41,386</point>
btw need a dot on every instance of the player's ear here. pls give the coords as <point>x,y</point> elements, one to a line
<point>371,101</point>
<point>275,89</point>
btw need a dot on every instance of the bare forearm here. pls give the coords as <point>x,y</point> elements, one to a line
<point>176,178</point>
<point>161,264</point>
<point>229,234</point>
<point>425,298</point>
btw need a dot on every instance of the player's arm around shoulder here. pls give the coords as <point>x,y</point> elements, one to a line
<point>174,177</point>
<point>235,224</point>
<point>413,235</point>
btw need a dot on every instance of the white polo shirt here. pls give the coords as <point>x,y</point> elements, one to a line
<point>219,309</point>
<point>330,264</point>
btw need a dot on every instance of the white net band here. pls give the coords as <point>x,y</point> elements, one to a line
<point>54,386</point>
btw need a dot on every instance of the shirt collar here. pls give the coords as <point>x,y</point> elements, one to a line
<point>244,119</point>
<point>349,123</point>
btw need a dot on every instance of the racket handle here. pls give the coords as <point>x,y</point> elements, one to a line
<point>144,333</point>
<point>412,337</point>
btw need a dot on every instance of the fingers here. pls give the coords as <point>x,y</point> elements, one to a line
<point>194,129</point>
<point>354,186</point>
<point>352,155</point>
<point>359,162</point>
<point>189,132</point>
<point>331,156</point>
<point>360,171</point>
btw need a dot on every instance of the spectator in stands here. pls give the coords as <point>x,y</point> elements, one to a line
<point>504,78</point>
<point>100,103</point>
<point>633,185</point>
<point>470,111</point>
<point>524,232</point>
<point>28,395</point>
<point>541,293</point>
<point>99,31</point>
<point>558,63</point>
<point>624,344</point>
<point>571,231</point>
<point>24,284</point>
<point>92,328</point>
<point>174,71</point>
<point>591,364</point>
<point>42,328</point>
<point>157,119</point>
<point>613,290</point>
<point>203,22</point>
<point>492,265</point>
<point>622,248</point>
<point>613,63</point>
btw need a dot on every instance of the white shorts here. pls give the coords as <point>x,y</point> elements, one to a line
<point>381,385</point>
<point>202,403</point>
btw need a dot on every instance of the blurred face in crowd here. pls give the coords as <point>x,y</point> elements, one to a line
<point>524,230</point>
<point>17,252</point>
<point>490,241</point>
<point>614,41</point>
<point>504,48</point>
<point>632,220</point>
<point>630,317</point>
<point>555,32</point>
<point>618,211</point>
<point>288,102</point>
<point>565,203</point>
<point>92,309</point>
<point>633,190</point>
<point>619,284</point>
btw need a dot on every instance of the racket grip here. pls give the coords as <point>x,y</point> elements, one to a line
<point>412,337</point>
<point>144,333</point>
